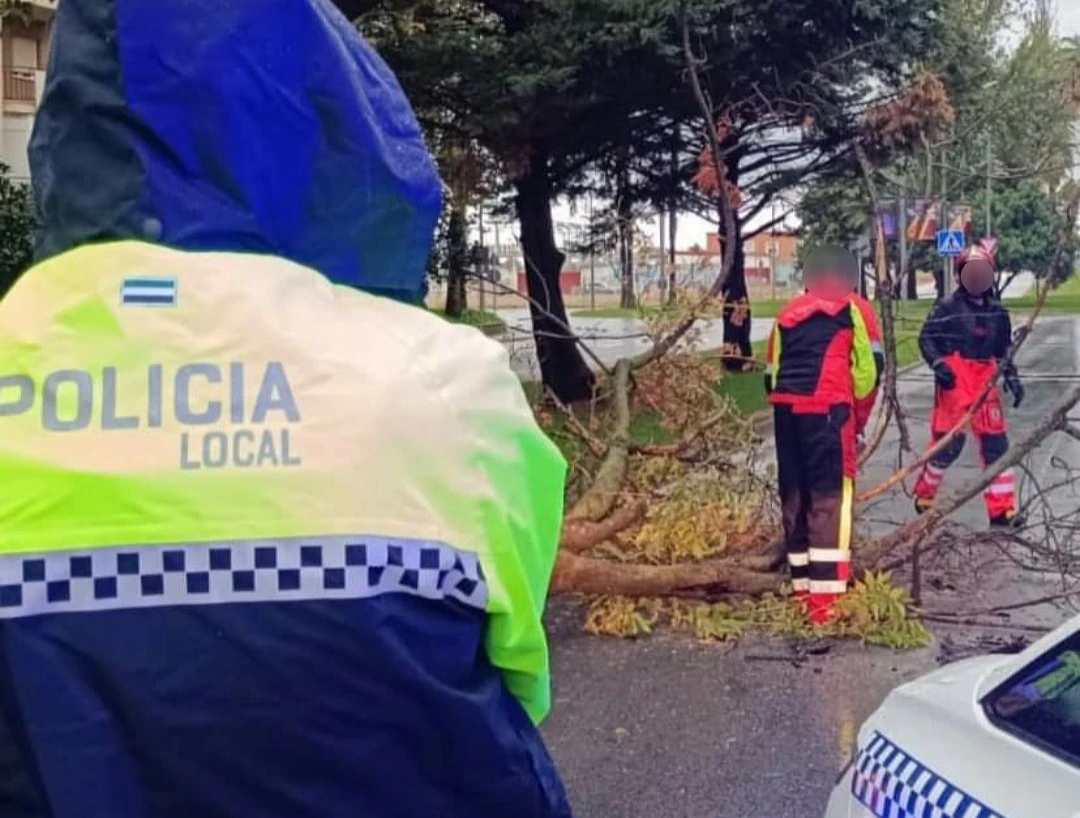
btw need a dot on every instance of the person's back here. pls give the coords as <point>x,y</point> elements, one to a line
<point>821,378</point>
<point>268,546</point>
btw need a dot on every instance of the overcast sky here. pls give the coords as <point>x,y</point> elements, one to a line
<point>1069,17</point>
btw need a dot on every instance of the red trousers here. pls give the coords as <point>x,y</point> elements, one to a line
<point>816,462</point>
<point>988,425</point>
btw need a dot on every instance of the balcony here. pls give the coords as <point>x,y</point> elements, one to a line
<point>20,86</point>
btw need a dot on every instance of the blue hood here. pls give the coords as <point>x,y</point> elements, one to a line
<point>264,126</point>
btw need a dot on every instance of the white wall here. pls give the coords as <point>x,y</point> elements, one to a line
<point>16,139</point>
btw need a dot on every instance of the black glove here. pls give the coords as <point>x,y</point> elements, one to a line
<point>1014,388</point>
<point>943,375</point>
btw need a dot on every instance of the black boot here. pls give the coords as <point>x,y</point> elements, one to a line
<point>922,505</point>
<point>1010,519</point>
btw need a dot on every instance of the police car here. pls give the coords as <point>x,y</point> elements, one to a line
<point>990,737</point>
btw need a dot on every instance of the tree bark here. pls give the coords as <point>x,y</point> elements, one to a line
<point>912,282</point>
<point>562,367</point>
<point>673,218</point>
<point>737,316</point>
<point>456,297</point>
<point>673,229</point>
<point>624,216</point>
<point>584,575</point>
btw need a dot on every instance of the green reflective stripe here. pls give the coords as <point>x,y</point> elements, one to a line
<point>863,369</point>
<point>523,520</point>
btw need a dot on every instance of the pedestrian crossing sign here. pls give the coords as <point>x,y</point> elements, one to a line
<point>950,242</point>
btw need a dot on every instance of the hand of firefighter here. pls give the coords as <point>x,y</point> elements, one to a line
<point>943,375</point>
<point>1014,388</point>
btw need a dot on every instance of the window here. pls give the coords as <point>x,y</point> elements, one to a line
<point>1041,703</point>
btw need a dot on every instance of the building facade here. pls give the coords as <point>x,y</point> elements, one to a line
<point>24,54</point>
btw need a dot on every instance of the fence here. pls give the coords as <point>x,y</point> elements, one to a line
<point>491,297</point>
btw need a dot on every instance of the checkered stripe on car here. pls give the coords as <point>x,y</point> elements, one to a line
<point>892,784</point>
<point>240,571</point>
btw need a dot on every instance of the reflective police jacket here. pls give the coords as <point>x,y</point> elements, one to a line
<point>820,354</point>
<point>268,547</point>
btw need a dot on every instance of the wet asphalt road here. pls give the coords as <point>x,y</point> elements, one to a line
<point>668,728</point>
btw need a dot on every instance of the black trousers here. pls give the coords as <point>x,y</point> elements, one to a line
<point>816,461</point>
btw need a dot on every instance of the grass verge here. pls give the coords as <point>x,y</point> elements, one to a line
<point>487,322</point>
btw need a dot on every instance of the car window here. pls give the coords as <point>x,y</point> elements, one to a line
<point>1041,703</point>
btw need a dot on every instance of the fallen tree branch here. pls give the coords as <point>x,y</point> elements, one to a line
<point>676,449</point>
<point>581,535</point>
<point>597,446</point>
<point>1022,335</point>
<point>1016,606</point>
<point>577,574</point>
<point>977,623</point>
<point>596,503</point>
<point>901,474</point>
<point>874,555</point>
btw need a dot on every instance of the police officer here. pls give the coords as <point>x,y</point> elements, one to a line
<point>821,376</point>
<point>963,341</point>
<point>270,546</point>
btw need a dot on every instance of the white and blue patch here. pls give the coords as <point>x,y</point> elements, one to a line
<point>892,784</point>
<point>148,291</point>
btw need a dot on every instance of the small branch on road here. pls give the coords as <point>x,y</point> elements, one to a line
<point>1016,606</point>
<point>877,554</point>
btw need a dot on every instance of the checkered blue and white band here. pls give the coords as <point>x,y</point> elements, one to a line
<point>892,784</point>
<point>242,571</point>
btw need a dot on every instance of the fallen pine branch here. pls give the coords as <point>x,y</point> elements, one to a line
<point>585,575</point>
<point>581,535</point>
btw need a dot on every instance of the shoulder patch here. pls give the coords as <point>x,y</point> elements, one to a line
<point>148,291</point>
<point>892,784</point>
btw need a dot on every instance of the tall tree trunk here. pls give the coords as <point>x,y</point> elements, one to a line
<point>738,349</point>
<point>673,229</point>
<point>456,298</point>
<point>562,368</point>
<point>628,294</point>
<point>673,215</point>
<point>912,282</point>
<point>624,215</point>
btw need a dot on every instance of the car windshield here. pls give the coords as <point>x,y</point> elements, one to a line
<point>1041,704</point>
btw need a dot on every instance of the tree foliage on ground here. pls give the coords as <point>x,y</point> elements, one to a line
<point>16,229</point>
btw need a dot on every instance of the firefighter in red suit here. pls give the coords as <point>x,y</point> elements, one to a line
<point>821,377</point>
<point>963,341</point>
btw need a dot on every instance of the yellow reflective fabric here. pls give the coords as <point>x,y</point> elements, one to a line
<point>151,396</point>
<point>773,349</point>
<point>847,512</point>
<point>863,368</point>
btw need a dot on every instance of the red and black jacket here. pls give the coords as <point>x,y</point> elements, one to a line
<point>974,329</point>
<point>820,354</point>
